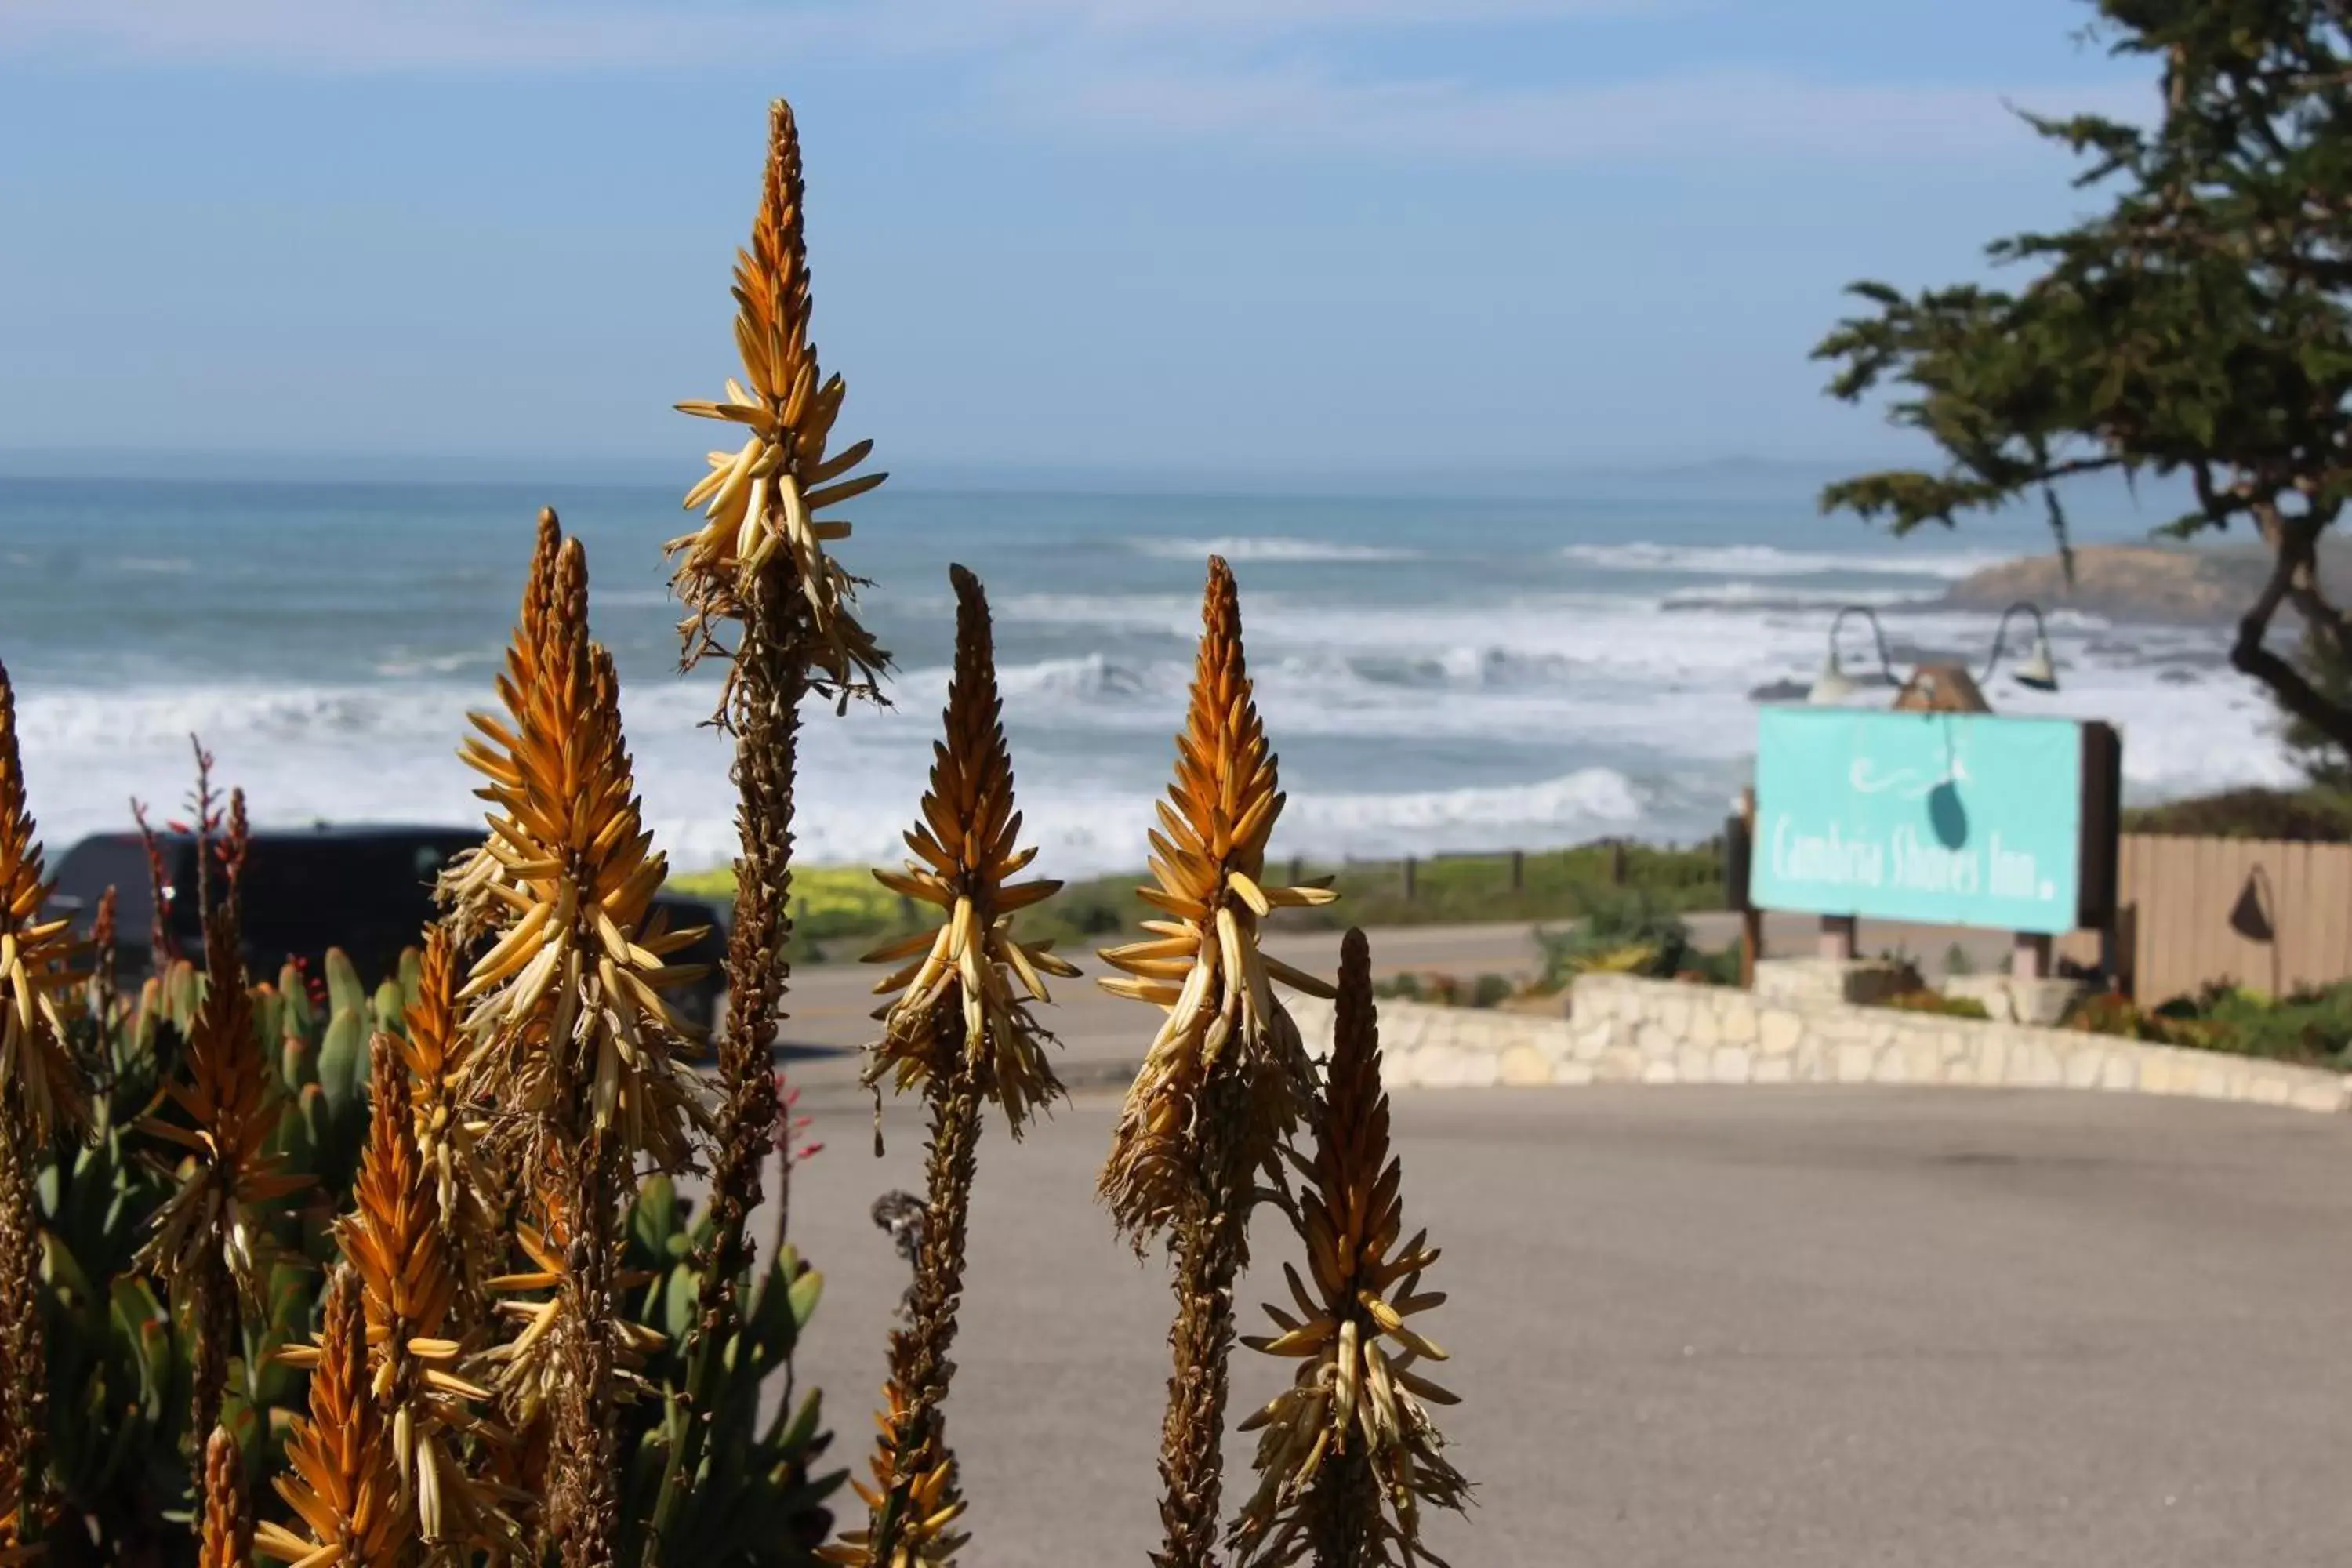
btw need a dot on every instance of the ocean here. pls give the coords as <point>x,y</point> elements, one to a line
<point>1435,675</point>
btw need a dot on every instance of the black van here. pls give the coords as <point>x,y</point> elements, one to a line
<point>366,888</point>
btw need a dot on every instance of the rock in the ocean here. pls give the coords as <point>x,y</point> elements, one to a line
<point>2190,584</point>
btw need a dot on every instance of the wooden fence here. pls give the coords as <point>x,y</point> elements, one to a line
<point>2270,916</point>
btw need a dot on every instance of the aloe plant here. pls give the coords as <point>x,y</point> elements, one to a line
<point>121,1456</point>
<point>758,1496</point>
<point>120,1451</point>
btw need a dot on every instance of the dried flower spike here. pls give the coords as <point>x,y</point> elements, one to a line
<point>764,498</point>
<point>234,1181</point>
<point>24,1373</point>
<point>22,1360</point>
<point>1348,1454</point>
<point>967,844</point>
<point>1203,965</point>
<point>42,1094</point>
<point>528,1372</point>
<point>339,1480</point>
<point>960,1029</point>
<point>231,1099</point>
<point>574,1032</point>
<point>211,1243</point>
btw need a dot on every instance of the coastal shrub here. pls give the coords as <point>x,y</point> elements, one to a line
<point>2312,1028</point>
<point>1622,931</point>
<point>2110,1012</point>
<point>2317,815</point>
<point>1926,999</point>
<point>1720,967</point>
<point>827,900</point>
<point>1486,991</point>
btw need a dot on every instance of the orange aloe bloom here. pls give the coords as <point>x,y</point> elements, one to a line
<point>340,1479</point>
<point>393,1240</point>
<point>12,1553</point>
<point>568,1005</point>
<point>439,1055</point>
<point>926,1537</point>
<point>1202,964</point>
<point>226,1540</point>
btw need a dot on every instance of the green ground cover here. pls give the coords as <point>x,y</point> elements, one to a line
<point>839,911</point>
<point>2311,1027</point>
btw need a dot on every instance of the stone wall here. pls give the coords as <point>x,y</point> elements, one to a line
<point>1624,1030</point>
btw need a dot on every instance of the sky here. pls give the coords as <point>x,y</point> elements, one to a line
<point>1223,239</point>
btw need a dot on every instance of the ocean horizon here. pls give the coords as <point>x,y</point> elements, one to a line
<point>1464,674</point>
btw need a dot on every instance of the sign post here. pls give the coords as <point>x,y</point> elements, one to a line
<point>2029,958</point>
<point>1840,938</point>
<point>1739,859</point>
<point>1940,818</point>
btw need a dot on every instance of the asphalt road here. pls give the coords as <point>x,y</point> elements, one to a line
<point>1758,1329</point>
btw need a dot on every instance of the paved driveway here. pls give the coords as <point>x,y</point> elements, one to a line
<point>1753,1328</point>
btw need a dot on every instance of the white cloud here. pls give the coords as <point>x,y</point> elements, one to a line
<point>1720,115</point>
<point>1278,17</point>
<point>1184,68</point>
<point>404,35</point>
<point>339,36</point>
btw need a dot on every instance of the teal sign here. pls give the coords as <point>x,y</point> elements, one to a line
<point>1963,819</point>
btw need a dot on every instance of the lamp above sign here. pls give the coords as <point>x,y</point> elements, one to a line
<point>1963,819</point>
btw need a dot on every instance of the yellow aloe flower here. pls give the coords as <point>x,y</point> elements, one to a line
<point>761,501</point>
<point>42,1084</point>
<point>573,1029</point>
<point>970,970</point>
<point>961,1029</point>
<point>1227,1076</point>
